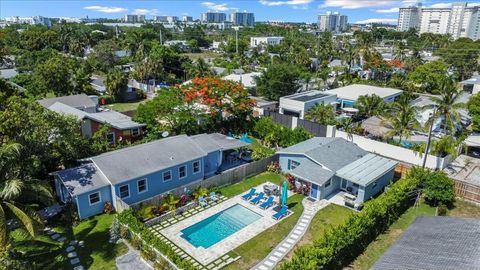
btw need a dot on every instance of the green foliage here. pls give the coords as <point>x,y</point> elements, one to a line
<point>116,83</point>
<point>474,110</point>
<point>439,189</point>
<point>278,80</point>
<point>462,54</point>
<point>148,253</point>
<point>170,202</point>
<point>200,192</point>
<point>103,56</point>
<point>322,114</point>
<point>127,218</point>
<point>448,104</point>
<point>145,212</point>
<point>370,105</point>
<point>259,151</point>
<point>402,118</point>
<point>427,77</point>
<point>442,210</point>
<point>342,244</point>
<point>277,135</point>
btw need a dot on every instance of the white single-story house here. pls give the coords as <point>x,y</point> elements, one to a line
<point>472,85</point>
<point>347,96</point>
<point>297,104</point>
<point>257,41</point>
<point>327,166</point>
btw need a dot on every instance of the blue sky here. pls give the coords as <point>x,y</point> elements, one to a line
<point>282,10</point>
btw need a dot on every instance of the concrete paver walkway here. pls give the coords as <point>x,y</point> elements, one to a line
<point>132,261</point>
<point>310,208</point>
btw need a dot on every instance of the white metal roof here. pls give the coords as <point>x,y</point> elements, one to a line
<point>354,91</point>
<point>366,169</point>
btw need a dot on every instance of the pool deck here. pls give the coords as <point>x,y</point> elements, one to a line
<point>206,256</point>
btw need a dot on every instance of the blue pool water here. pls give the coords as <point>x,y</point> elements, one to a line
<point>214,229</point>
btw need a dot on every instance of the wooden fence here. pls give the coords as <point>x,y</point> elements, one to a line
<point>293,122</point>
<point>467,191</point>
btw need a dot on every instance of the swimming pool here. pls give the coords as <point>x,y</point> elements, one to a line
<point>214,229</point>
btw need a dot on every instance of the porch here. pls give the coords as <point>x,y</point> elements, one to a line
<point>234,158</point>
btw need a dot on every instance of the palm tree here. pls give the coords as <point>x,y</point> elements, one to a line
<point>116,82</point>
<point>370,105</point>
<point>200,192</point>
<point>170,202</point>
<point>348,127</point>
<point>17,194</point>
<point>322,114</point>
<point>447,104</point>
<point>402,118</point>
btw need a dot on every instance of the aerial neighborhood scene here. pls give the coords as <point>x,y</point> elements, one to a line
<point>254,134</point>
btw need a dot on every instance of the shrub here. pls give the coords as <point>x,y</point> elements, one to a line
<point>200,192</point>
<point>136,242</point>
<point>127,218</point>
<point>162,264</point>
<point>107,208</point>
<point>438,188</point>
<point>273,167</point>
<point>441,210</point>
<point>124,232</point>
<point>148,254</point>
<point>344,243</point>
<point>145,212</point>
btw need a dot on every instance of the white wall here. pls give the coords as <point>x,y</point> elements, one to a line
<point>395,152</point>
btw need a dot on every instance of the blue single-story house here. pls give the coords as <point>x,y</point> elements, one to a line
<point>140,172</point>
<point>330,165</point>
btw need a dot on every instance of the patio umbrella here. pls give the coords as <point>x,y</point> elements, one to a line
<point>284,193</point>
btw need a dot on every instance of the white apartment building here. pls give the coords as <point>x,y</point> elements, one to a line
<point>134,18</point>
<point>332,22</point>
<point>257,41</point>
<point>459,20</point>
<point>29,20</point>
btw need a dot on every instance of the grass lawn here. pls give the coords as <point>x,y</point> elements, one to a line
<point>376,249</point>
<point>97,253</point>
<point>245,185</point>
<point>124,107</point>
<point>257,248</point>
<point>195,56</point>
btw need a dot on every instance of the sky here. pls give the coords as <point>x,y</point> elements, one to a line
<point>358,11</point>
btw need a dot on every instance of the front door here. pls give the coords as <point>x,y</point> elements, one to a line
<point>314,191</point>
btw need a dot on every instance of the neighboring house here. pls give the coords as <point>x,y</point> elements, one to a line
<point>472,85</point>
<point>247,79</point>
<point>327,166</point>
<point>98,84</point>
<point>435,243</point>
<point>257,41</point>
<point>298,104</point>
<point>140,172</point>
<point>262,105</point>
<point>347,96</point>
<point>85,109</point>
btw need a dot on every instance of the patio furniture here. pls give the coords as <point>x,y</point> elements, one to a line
<point>268,203</point>
<point>257,199</point>
<point>280,214</point>
<point>213,196</point>
<point>249,195</point>
<point>271,189</point>
<point>202,201</point>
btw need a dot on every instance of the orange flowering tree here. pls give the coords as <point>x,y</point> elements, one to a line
<point>223,100</point>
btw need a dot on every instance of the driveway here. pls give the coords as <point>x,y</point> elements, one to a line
<point>132,260</point>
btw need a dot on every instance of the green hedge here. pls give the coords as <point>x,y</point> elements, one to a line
<point>135,226</point>
<point>342,244</point>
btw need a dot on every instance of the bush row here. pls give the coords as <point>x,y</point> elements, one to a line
<point>127,218</point>
<point>342,244</point>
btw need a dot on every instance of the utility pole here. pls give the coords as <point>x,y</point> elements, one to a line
<point>161,37</point>
<point>432,118</point>
<point>236,39</point>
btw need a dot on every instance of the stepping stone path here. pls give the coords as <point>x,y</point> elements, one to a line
<point>72,254</point>
<point>55,236</point>
<point>282,249</point>
<point>74,261</point>
<point>62,239</point>
<point>78,267</point>
<point>70,250</point>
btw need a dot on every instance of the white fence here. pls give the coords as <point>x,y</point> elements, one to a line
<point>395,152</point>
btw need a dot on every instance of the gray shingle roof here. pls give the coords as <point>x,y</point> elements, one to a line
<point>75,101</point>
<point>367,169</point>
<point>82,179</point>
<point>136,161</point>
<point>65,109</point>
<point>435,243</point>
<point>312,172</point>
<point>333,153</point>
<point>216,141</point>
<point>115,119</point>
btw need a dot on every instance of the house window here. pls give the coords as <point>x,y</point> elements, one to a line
<point>196,166</point>
<point>142,185</point>
<point>182,171</point>
<point>135,131</point>
<point>111,138</point>
<point>167,176</point>
<point>328,183</point>
<point>94,198</point>
<point>292,164</point>
<point>124,191</point>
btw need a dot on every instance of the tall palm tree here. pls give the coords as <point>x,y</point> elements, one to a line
<point>322,114</point>
<point>17,193</point>
<point>402,118</point>
<point>370,105</point>
<point>448,105</point>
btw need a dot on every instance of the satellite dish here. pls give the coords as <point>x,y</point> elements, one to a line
<point>165,134</point>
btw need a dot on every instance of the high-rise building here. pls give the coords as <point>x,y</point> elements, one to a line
<point>29,20</point>
<point>332,22</point>
<point>246,19</point>
<point>187,18</point>
<point>409,17</point>
<point>459,20</point>
<point>213,17</point>
<point>130,18</point>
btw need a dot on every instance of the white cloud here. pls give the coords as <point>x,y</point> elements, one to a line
<point>216,7</point>
<point>107,9</point>
<point>354,4</point>
<point>141,11</point>
<point>388,10</point>
<point>296,3</point>
<point>378,20</point>
<point>441,5</point>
